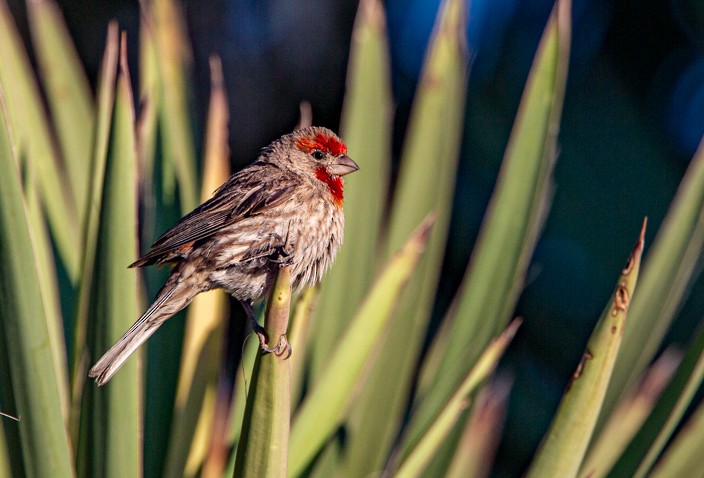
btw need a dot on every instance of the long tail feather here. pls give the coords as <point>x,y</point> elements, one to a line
<point>171,299</point>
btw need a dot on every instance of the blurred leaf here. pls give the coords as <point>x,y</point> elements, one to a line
<point>367,131</point>
<point>68,94</point>
<point>566,441</point>
<point>106,98</point>
<point>46,270</point>
<point>113,412</point>
<point>494,278</point>
<point>669,269</point>
<point>647,445</point>
<point>262,450</point>
<point>323,409</point>
<point>5,465</point>
<point>205,320</point>
<point>34,142</point>
<point>423,451</point>
<point>425,183</point>
<point>301,334</point>
<point>164,22</point>
<point>481,436</point>
<point>628,417</point>
<point>684,455</point>
<point>250,349</point>
<point>45,447</point>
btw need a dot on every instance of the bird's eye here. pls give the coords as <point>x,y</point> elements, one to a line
<point>317,154</point>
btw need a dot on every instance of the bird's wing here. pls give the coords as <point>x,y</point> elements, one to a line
<point>244,195</point>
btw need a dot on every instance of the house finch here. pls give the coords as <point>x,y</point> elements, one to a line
<point>284,209</point>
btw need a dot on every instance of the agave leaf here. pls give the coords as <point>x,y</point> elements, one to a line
<point>647,445</point>
<point>262,450</point>
<point>425,183</point>
<point>206,314</point>
<point>34,142</point>
<point>565,444</point>
<point>684,456</point>
<point>510,230</point>
<point>324,407</point>
<point>113,414</point>
<point>33,383</point>
<point>670,267</point>
<point>427,446</point>
<point>68,94</point>
<point>366,129</point>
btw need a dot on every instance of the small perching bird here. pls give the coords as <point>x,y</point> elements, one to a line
<point>283,209</point>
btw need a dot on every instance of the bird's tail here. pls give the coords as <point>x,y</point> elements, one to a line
<point>173,297</point>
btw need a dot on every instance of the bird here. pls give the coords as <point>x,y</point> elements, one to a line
<point>284,209</point>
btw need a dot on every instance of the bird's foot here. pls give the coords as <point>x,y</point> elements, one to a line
<point>283,347</point>
<point>283,256</point>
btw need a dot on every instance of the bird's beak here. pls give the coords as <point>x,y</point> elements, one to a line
<point>342,165</point>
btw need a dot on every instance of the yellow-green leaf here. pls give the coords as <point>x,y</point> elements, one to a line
<point>563,448</point>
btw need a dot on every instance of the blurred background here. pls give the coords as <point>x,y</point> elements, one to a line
<point>633,117</point>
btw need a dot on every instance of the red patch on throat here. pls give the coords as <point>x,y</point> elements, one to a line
<point>335,185</point>
<point>322,142</point>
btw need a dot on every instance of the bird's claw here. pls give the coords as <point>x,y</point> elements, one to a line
<point>282,349</point>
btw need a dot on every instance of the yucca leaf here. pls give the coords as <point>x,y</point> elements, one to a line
<point>44,442</point>
<point>105,100</point>
<point>167,30</point>
<point>628,417</point>
<point>425,449</point>
<point>49,286</point>
<point>425,183</point>
<point>684,455</point>
<point>510,230</point>
<point>323,409</point>
<point>564,446</point>
<point>113,414</point>
<point>34,142</point>
<point>68,93</point>
<point>647,445</point>
<point>480,438</point>
<point>262,450</point>
<point>669,268</point>
<point>366,130</point>
<point>206,315</point>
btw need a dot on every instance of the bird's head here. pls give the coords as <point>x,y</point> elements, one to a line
<point>323,154</point>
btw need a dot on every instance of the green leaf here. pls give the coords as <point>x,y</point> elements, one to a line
<point>33,382</point>
<point>628,416</point>
<point>173,59</point>
<point>427,446</point>
<point>425,183</point>
<point>113,413</point>
<point>68,94</point>
<point>684,456</point>
<point>669,269</point>
<point>325,406</point>
<point>106,98</point>
<point>494,278</point>
<point>207,314</point>
<point>367,131</point>
<point>647,445</point>
<point>33,139</point>
<point>565,444</point>
<point>263,447</point>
